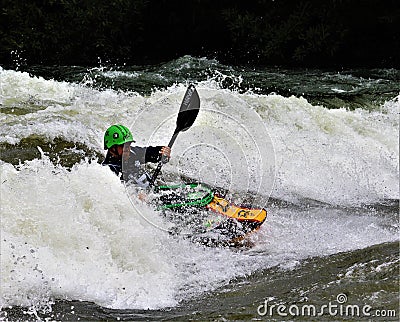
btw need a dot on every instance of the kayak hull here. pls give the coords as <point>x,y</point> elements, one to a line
<point>213,220</point>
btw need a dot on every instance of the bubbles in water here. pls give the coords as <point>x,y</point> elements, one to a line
<point>227,147</point>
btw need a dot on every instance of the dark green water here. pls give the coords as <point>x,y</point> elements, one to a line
<point>358,88</point>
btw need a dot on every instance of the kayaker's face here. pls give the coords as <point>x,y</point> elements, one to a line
<point>116,151</point>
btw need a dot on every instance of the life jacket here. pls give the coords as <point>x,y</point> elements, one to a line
<point>132,168</point>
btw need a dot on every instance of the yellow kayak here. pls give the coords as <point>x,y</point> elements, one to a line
<point>223,222</point>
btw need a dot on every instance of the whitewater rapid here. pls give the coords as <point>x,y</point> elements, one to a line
<point>336,156</point>
<point>73,234</point>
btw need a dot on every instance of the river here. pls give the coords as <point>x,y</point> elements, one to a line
<point>318,148</point>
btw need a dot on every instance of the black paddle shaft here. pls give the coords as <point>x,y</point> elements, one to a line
<point>187,115</point>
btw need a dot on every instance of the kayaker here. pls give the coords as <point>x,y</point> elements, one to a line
<point>127,161</point>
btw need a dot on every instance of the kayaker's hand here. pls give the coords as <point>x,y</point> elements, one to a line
<point>166,153</point>
<point>142,196</point>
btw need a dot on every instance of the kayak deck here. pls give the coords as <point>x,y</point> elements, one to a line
<point>213,220</point>
<point>241,214</point>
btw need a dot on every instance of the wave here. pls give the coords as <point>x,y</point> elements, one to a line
<point>263,144</point>
<point>335,156</point>
<point>70,232</point>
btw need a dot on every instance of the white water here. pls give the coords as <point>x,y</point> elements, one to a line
<point>74,234</point>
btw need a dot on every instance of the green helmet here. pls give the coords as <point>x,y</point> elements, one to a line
<point>116,135</point>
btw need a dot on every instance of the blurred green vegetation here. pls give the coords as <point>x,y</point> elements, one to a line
<point>303,33</point>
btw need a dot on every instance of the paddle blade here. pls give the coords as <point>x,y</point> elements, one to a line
<point>187,115</point>
<point>189,109</point>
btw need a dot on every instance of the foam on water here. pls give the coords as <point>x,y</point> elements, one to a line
<point>335,156</point>
<point>70,111</point>
<point>73,234</point>
<point>77,242</point>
